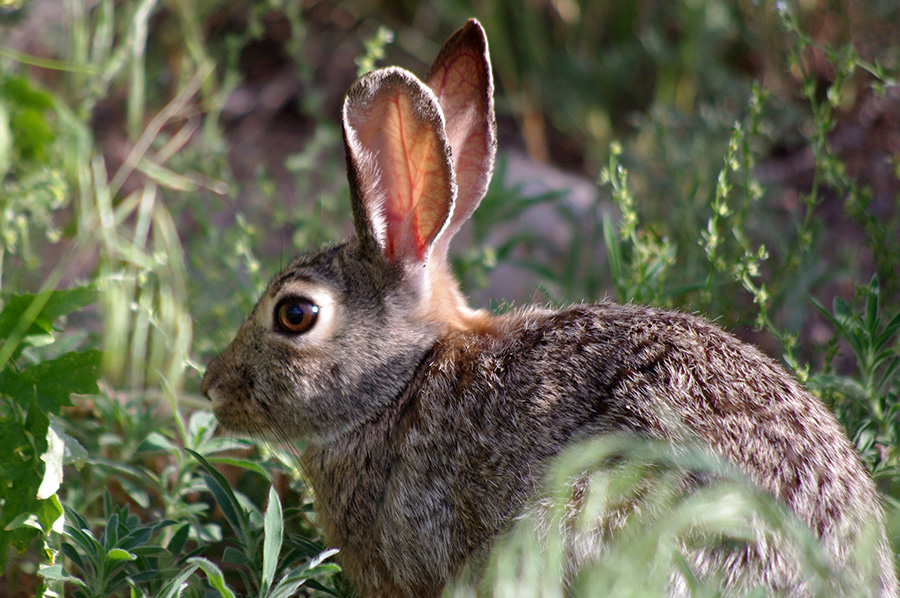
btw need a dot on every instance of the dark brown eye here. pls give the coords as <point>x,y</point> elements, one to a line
<point>295,316</point>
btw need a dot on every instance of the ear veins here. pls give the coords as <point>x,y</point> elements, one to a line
<point>396,141</point>
<point>462,81</point>
<point>413,154</point>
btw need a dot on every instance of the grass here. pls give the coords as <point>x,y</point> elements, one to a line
<point>156,252</point>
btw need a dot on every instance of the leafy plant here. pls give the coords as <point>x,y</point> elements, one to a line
<point>34,387</point>
<point>638,261</point>
<point>31,191</point>
<point>300,564</point>
<point>126,554</point>
<point>868,401</point>
<point>140,558</point>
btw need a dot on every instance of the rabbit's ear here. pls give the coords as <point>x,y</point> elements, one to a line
<point>398,163</point>
<point>461,79</point>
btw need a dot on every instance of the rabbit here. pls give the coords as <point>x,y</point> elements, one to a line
<point>428,425</point>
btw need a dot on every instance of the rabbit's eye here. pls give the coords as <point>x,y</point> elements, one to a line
<point>295,316</point>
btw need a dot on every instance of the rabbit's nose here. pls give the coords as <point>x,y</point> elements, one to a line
<point>211,388</point>
<point>206,388</point>
<point>211,379</point>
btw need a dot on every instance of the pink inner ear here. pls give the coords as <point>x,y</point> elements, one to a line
<point>461,79</point>
<point>456,84</point>
<point>401,130</point>
<point>459,97</point>
<point>412,218</point>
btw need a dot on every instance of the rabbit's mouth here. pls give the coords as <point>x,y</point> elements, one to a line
<point>224,385</point>
<point>229,413</point>
<point>234,416</point>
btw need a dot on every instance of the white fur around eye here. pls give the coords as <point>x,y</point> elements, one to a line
<point>320,332</point>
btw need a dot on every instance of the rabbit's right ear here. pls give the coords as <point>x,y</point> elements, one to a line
<point>402,184</point>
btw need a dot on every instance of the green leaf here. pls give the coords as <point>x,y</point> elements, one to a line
<point>32,133</point>
<point>297,576</point>
<point>50,512</point>
<point>842,310</point>
<point>72,554</point>
<point>201,427</point>
<point>83,539</point>
<point>179,539</point>
<point>235,557</point>
<point>243,464</point>
<point>274,530</point>
<point>156,442</point>
<point>76,454</point>
<point>20,91</point>
<point>175,587</point>
<point>824,311</point>
<point>51,305</point>
<point>118,554</point>
<point>50,383</point>
<point>846,386</point>
<point>882,340</point>
<point>57,573</point>
<point>23,440</point>
<point>110,535</point>
<point>214,575</point>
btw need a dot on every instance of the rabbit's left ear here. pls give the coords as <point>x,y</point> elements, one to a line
<point>462,81</point>
<point>398,164</point>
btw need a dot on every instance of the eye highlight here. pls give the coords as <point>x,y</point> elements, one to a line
<point>295,315</point>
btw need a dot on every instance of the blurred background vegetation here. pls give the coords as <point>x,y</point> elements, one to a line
<point>161,159</point>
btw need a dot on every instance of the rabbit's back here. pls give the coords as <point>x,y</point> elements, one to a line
<point>560,376</point>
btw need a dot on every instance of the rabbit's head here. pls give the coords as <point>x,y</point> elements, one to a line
<point>341,331</point>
